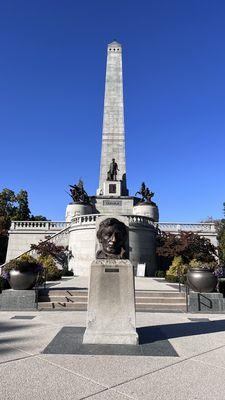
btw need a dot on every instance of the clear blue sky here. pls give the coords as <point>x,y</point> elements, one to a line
<point>52,68</point>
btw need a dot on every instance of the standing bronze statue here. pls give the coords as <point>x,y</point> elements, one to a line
<point>112,234</point>
<point>145,193</point>
<point>112,173</point>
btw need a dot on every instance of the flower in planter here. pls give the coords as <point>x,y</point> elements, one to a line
<point>218,271</point>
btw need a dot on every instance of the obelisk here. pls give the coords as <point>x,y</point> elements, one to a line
<point>113,136</point>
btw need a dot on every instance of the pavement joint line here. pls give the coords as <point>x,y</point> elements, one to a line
<point>121,383</point>
<point>72,372</point>
<point>165,367</point>
<point>105,390</point>
<point>16,359</point>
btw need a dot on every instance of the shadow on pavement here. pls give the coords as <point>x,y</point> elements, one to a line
<point>69,340</point>
<point>149,334</point>
<point>5,328</point>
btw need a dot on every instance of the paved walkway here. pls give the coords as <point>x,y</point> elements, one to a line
<point>158,284</point>
<point>186,361</point>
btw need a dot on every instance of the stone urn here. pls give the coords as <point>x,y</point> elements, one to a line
<point>22,280</point>
<point>201,280</point>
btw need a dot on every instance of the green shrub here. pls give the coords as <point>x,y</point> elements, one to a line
<point>52,273</point>
<point>195,263</point>
<point>24,263</point>
<point>175,279</point>
<point>212,265</point>
<point>177,268</point>
<point>160,274</point>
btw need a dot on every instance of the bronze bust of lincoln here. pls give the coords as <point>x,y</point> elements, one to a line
<point>112,234</point>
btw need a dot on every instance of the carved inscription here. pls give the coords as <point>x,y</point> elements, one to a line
<point>111,269</point>
<point>112,202</point>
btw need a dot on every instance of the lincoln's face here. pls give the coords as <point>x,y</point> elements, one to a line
<point>112,239</point>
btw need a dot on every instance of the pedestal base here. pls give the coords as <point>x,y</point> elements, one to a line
<point>206,302</point>
<point>111,307</point>
<point>18,300</point>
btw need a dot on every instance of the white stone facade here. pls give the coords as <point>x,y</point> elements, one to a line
<point>80,235</point>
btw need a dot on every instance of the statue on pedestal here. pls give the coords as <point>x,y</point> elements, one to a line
<point>112,173</point>
<point>78,194</point>
<point>145,193</point>
<point>112,234</point>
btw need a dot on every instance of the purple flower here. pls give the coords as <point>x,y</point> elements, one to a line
<point>5,275</point>
<point>218,272</point>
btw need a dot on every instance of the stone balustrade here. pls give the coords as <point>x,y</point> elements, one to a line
<point>177,227</point>
<point>39,225</point>
<point>90,219</point>
<point>59,230</point>
<point>138,219</point>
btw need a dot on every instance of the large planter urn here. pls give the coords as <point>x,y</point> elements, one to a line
<point>22,280</point>
<point>201,280</point>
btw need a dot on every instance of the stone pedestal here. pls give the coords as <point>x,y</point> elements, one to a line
<point>146,209</point>
<point>18,300</point>
<point>206,302</point>
<point>111,307</point>
<point>76,209</point>
<point>112,188</point>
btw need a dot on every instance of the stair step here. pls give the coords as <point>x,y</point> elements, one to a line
<point>83,307</point>
<point>158,294</point>
<point>62,299</point>
<point>50,306</point>
<point>62,292</point>
<point>159,300</point>
<point>84,292</point>
<point>67,299</point>
<point>84,299</point>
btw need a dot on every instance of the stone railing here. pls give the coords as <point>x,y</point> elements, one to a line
<point>139,219</point>
<point>177,227</point>
<point>39,225</point>
<point>55,238</point>
<point>90,219</point>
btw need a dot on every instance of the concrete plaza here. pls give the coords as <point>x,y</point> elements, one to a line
<point>186,357</point>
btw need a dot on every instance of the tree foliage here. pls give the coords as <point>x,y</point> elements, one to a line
<point>47,248</point>
<point>13,207</point>
<point>189,245</point>
<point>220,226</point>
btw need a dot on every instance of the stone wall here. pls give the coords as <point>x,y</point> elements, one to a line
<point>81,234</point>
<point>24,233</point>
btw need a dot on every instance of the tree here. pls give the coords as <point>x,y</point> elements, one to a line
<point>189,245</point>
<point>22,212</point>
<point>220,226</point>
<point>13,207</point>
<point>46,249</point>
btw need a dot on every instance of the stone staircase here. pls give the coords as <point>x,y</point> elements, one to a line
<point>71,299</point>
